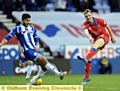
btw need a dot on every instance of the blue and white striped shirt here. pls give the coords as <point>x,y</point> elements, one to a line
<point>26,35</point>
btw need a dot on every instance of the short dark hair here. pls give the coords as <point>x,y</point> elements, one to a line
<point>25,15</point>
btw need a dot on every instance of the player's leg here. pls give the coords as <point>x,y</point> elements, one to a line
<point>95,48</point>
<point>23,62</point>
<point>29,69</point>
<point>22,65</point>
<point>43,62</point>
<point>45,65</point>
<point>40,74</point>
<point>97,44</point>
<point>87,71</point>
<point>88,67</point>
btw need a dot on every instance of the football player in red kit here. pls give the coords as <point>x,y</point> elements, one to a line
<point>99,33</point>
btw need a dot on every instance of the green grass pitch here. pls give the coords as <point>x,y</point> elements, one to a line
<point>98,82</point>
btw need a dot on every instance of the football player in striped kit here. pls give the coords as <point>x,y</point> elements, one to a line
<point>29,41</point>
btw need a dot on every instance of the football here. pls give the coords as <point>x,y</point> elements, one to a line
<point>38,82</point>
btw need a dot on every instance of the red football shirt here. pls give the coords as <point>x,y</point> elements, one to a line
<point>97,28</point>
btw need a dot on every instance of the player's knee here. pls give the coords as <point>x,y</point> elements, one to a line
<point>22,65</point>
<point>94,46</point>
<point>30,63</point>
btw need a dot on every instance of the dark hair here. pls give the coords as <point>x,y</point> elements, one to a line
<point>25,15</point>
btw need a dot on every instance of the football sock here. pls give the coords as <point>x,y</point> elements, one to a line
<point>87,69</point>
<point>88,65</point>
<point>91,53</point>
<point>40,74</point>
<point>48,66</point>
<point>29,71</point>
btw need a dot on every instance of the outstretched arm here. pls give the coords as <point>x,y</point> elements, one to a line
<point>19,47</point>
<point>3,42</point>
<point>87,34</point>
<point>111,34</point>
<point>8,37</point>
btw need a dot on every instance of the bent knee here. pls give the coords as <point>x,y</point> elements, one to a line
<point>97,45</point>
<point>30,62</point>
<point>22,65</point>
<point>94,46</point>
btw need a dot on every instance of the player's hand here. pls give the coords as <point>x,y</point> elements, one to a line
<point>37,48</point>
<point>22,55</point>
<point>0,45</point>
<point>91,40</point>
<point>113,40</point>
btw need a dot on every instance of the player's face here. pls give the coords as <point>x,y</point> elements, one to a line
<point>26,21</point>
<point>88,17</point>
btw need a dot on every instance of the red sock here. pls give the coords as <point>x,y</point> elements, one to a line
<point>87,70</point>
<point>91,53</point>
<point>88,65</point>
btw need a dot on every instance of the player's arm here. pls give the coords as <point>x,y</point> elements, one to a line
<point>104,24</point>
<point>111,34</point>
<point>36,38</point>
<point>87,34</point>
<point>8,37</point>
<point>4,41</point>
<point>20,49</point>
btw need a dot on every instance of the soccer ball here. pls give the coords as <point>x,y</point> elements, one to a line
<point>38,82</point>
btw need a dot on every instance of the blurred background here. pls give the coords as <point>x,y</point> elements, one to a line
<point>59,27</point>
